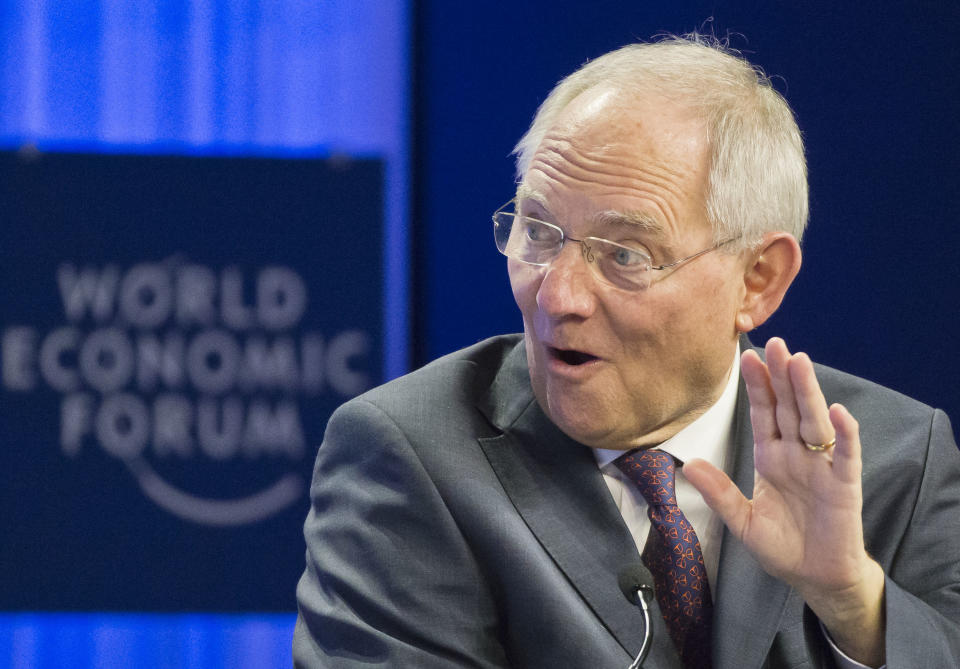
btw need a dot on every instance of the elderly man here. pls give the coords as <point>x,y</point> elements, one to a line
<point>478,512</point>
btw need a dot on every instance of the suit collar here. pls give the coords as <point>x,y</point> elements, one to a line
<point>510,393</point>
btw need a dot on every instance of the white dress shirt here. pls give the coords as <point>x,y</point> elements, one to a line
<point>709,437</point>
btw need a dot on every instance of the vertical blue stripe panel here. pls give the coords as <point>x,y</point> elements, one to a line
<point>81,641</point>
<point>268,74</point>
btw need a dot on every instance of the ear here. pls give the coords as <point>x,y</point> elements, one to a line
<point>769,271</point>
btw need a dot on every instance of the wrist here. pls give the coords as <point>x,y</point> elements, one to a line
<point>854,616</point>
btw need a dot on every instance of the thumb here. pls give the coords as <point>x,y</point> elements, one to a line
<point>720,494</point>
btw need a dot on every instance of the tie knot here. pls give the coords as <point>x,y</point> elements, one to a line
<point>654,474</point>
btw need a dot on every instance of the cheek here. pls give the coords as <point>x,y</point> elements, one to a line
<point>643,323</point>
<point>670,329</point>
<point>524,282</point>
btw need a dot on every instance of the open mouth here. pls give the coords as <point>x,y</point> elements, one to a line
<point>571,357</point>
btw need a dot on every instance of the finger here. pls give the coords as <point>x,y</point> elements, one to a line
<point>788,416</point>
<point>815,427</point>
<point>720,494</point>
<point>763,403</point>
<point>847,459</point>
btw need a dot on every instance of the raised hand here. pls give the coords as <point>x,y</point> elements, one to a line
<point>804,522</point>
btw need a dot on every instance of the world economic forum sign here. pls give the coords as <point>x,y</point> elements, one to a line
<point>174,334</point>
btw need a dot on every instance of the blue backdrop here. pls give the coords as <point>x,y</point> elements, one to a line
<point>180,315</point>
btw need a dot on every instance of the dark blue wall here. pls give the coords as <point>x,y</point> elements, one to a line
<point>876,93</point>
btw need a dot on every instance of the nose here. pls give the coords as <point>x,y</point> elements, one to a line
<point>567,286</point>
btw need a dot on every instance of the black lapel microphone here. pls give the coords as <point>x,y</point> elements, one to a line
<point>636,583</point>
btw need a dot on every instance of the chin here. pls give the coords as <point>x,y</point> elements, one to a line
<point>587,426</point>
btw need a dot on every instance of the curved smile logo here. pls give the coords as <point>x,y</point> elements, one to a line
<point>177,368</point>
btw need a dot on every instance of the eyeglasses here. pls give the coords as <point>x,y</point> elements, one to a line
<point>537,242</point>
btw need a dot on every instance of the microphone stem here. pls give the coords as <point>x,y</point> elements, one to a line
<point>647,630</point>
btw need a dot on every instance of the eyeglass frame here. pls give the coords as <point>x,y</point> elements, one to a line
<point>586,251</point>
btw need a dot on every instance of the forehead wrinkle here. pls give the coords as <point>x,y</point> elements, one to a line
<point>622,172</point>
<point>600,158</point>
<point>623,185</point>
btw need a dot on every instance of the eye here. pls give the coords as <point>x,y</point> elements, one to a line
<point>534,233</point>
<point>628,258</point>
<point>538,233</point>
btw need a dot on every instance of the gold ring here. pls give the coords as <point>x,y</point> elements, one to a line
<point>821,447</point>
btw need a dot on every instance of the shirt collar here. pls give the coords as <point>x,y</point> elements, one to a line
<point>708,437</point>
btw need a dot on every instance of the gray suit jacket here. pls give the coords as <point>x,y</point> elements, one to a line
<point>453,525</point>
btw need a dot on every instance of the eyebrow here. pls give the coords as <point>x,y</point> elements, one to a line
<point>605,219</point>
<point>633,219</point>
<point>524,192</point>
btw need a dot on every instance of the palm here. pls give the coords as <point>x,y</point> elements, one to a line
<point>795,529</point>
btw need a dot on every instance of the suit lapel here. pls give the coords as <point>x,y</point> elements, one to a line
<point>556,487</point>
<point>750,602</point>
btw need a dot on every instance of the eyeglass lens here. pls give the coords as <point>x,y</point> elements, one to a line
<point>537,243</point>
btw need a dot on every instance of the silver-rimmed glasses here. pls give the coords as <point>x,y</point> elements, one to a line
<point>537,242</point>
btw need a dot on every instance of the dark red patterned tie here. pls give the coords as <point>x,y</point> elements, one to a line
<point>673,555</point>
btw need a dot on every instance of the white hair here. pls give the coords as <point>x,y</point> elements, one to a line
<point>758,174</point>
